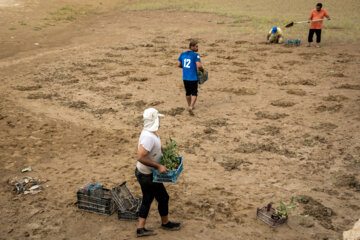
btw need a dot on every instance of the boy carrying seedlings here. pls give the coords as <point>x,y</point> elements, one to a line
<point>149,156</point>
<point>190,62</point>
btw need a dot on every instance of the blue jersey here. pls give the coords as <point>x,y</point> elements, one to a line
<point>188,60</point>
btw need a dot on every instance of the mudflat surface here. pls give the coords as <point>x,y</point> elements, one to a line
<point>273,122</point>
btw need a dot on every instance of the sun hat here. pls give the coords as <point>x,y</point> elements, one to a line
<point>274,30</point>
<point>151,119</point>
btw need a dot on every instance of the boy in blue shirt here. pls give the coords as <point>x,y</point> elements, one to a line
<point>189,61</point>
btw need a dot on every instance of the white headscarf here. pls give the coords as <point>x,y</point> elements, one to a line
<point>151,119</point>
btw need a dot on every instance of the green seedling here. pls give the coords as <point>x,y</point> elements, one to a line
<point>170,158</point>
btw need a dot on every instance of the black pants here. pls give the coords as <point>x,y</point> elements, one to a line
<point>311,34</point>
<point>150,191</point>
<point>191,88</point>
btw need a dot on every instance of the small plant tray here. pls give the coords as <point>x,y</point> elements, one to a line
<point>169,176</point>
<point>295,42</point>
<point>123,198</point>
<point>264,215</point>
<point>104,205</point>
<point>130,215</point>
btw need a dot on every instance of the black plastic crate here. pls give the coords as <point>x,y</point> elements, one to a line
<point>123,198</point>
<point>104,205</point>
<point>130,215</point>
<point>265,214</point>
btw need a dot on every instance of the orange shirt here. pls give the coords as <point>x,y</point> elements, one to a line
<point>315,15</point>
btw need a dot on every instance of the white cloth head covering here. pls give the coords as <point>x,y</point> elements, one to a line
<point>151,119</point>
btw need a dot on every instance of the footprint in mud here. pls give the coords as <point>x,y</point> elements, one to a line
<point>120,74</point>
<point>156,103</point>
<point>239,64</point>
<point>238,91</point>
<point>268,115</point>
<point>267,130</point>
<point>220,122</point>
<point>112,55</point>
<point>124,96</point>
<point>349,86</point>
<point>138,79</point>
<point>163,73</point>
<point>243,71</point>
<point>215,63</point>
<point>324,126</point>
<point>337,75</point>
<point>42,95</point>
<point>317,210</point>
<point>227,57</point>
<point>77,104</point>
<point>293,62</point>
<point>175,111</point>
<point>213,45</point>
<point>147,45</point>
<point>209,130</point>
<point>248,147</point>
<point>28,88</point>
<point>283,51</point>
<point>335,98</point>
<point>230,163</point>
<point>241,42</point>
<point>347,180</point>
<point>329,108</point>
<point>125,48</point>
<point>310,141</point>
<point>306,82</point>
<point>282,103</point>
<point>298,92</point>
<point>104,111</point>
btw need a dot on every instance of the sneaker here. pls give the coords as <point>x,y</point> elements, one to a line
<point>142,232</point>
<point>172,226</point>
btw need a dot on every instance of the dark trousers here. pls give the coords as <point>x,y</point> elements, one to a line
<point>150,191</point>
<point>311,34</point>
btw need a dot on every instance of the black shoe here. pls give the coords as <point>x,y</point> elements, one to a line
<point>172,226</point>
<point>142,232</point>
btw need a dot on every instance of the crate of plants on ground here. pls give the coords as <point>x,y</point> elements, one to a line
<point>93,197</point>
<point>172,161</point>
<point>128,205</point>
<point>271,216</point>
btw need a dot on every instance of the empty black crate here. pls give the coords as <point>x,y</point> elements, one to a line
<point>104,205</point>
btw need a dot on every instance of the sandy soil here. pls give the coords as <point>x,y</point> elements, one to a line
<point>273,122</point>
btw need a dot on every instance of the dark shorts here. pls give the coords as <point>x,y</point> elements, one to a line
<point>311,35</point>
<point>191,88</point>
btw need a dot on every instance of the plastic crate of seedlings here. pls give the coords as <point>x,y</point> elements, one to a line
<point>271,216</point>
<point>170,175</point>
<point>295,42</point>
<point>130,214</point>
<point>93,197</point>
<point>172,161</point>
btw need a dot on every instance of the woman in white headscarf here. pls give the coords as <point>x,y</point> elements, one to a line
<point>149,157</point>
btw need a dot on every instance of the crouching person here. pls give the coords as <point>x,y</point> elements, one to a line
<point>149,156</point>
<point>275,35</point>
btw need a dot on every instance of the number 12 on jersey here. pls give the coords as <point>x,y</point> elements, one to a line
<point>187,63</point>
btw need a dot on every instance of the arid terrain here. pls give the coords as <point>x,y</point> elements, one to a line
<point>273,122</point>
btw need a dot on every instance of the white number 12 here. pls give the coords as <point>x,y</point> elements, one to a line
<point>187,63</point>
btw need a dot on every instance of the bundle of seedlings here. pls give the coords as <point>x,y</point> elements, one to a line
<point>171,157</point>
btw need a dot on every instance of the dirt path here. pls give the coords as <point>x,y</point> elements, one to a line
<point>271,123</point>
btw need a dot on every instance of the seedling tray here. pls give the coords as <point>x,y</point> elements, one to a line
<point>264,215</point>
<point>169,176</point>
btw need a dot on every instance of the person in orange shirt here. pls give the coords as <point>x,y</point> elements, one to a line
<point>316,17</point>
